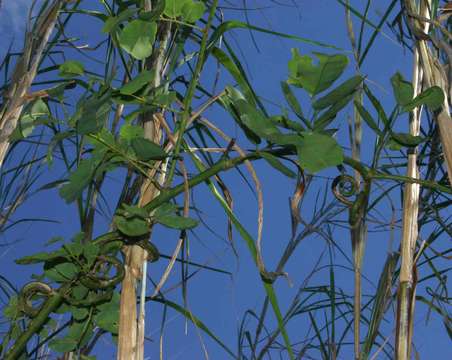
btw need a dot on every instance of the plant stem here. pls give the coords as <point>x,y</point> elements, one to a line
<point>35,325</point>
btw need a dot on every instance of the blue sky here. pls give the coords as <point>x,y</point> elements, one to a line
<point>219,300</point>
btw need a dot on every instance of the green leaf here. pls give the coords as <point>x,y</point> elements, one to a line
<point>147,150</point>
<point>132,226</point>
<point>112,22</point>
<point>292,101</point>
<point>432,97</point>
<point>330,114</point>
<point>315,78</point>
<point>71,68</point>
<point>173,8</point>
<point>12,310</point>
<point>79,313</point>
<point>91,114</point>
<point>192,11</point>
<point>278,165</point>
<point>63,345</point>
<point>108,316</point>
<point>403,90</point>
<point>61,272</point>
<point>90,252</point>
<point>78,180</point>
<point>176,222</point>
<point>40,257</point>
<point>38,111</point>
<point>407,139</point>
<point>256,121</point>
<point>143,79</point>
<point>368,118</point>
<point>132,210</point>
<point>318,151</point>
<point>129,132</point>
<point>137,38</point>
<point>342,91</point>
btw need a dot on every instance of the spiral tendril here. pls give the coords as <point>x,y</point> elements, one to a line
<point>344,187</point>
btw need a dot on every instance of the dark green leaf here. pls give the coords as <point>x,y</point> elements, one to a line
<point>432,97</point>
<point>129,132</point>
<point>147,150</point>
<point>61,272</point>
<point>132,226</point>
<point>78,180</point>
<point>176,222</point>
<point>278,165</point>
<point>368,118</point>
<point>407,139</point>
<point>342,91</point>
<point>112,22</point>
<point>40,257</point>
<point>327,116</point>
<point>143,79</point>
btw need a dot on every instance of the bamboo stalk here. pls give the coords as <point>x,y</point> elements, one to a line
<point>405,311</point>
<point>25,71</point>
<point>132,329</point>
<point>434,75</point>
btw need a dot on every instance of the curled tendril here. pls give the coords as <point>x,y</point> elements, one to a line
<point>153,253</point>
<point>344,187</point>
<point>94,282</point>
<point>34,288</point>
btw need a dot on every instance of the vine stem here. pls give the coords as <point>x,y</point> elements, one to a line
<point>191,89</point>
<point>35,325</point>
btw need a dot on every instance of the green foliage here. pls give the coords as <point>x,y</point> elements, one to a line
<point>318,151</point>
<point>137,38</point>
<point>147,150</point>
<point>165,215</point>
<point>71,68</point>
<point>315,78</point>
<point>97,136</point>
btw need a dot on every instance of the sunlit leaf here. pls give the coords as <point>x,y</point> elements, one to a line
<point>315,78</point>
<point>137,38</point>
<point>403,90</point>
<point>192,11</point>
<point>318,151</point>
<point>71,68</point>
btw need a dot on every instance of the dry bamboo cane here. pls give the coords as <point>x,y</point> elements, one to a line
<point>15,98</point>
<point>405,311</point>
<point>131,327</point>
<point>434,75</point>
